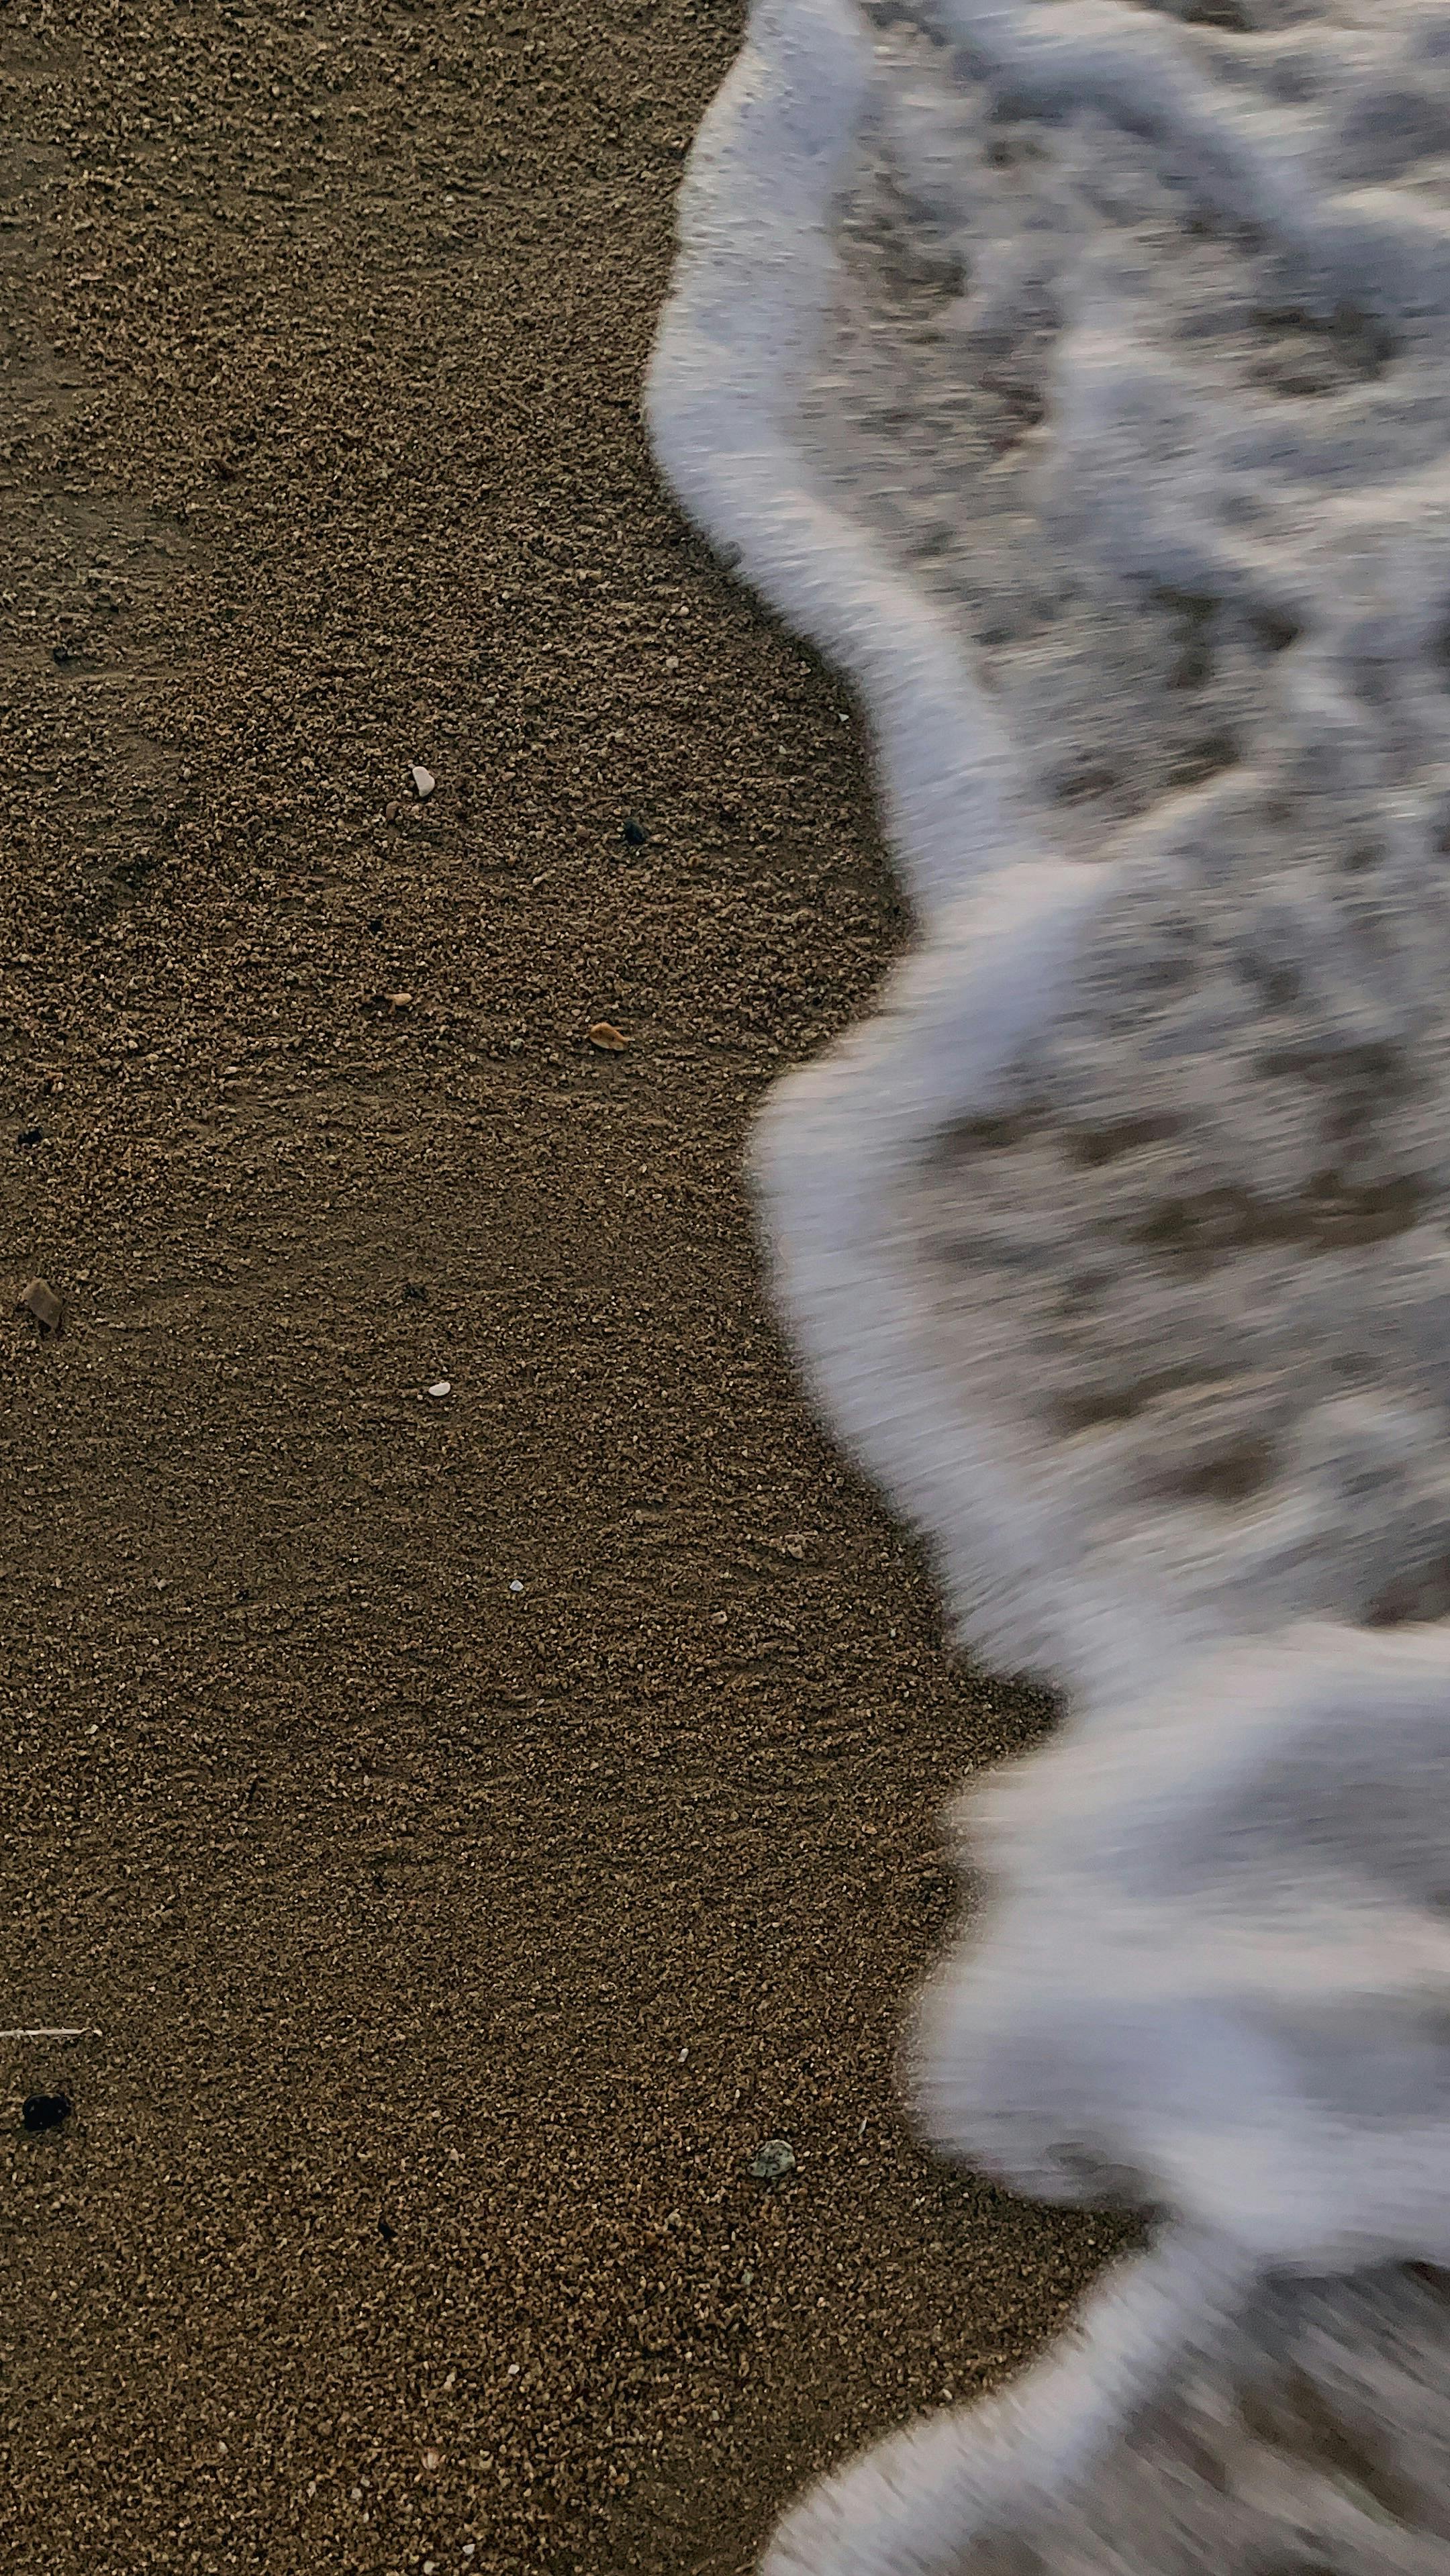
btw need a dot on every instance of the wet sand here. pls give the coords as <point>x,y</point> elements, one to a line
<point>473,1823</point>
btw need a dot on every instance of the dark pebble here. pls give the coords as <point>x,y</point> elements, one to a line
<point>30,1135</point>
<point>45,2111</point>
<point>386,2232</point>
<point>634,833</point>
<point>414,1294</point>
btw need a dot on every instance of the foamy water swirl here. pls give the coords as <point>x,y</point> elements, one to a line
<point>1076,375</point>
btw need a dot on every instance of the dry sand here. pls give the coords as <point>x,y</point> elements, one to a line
<point>453,1946</point>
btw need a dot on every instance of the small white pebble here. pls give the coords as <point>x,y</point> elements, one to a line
<point>424,780</point>
<point>516,1586</point>
<point>441,1386</point>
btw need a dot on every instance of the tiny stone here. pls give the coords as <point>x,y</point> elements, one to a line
<point>41,1301</point>
<point>634,833</point>
<point>605,1035</point>
<point>30,1136</point>
<point>400,1001</point>
<point>772,2161</point>
<point>516,1586</point>
<point>441,1386</point>
<point>424,780</point>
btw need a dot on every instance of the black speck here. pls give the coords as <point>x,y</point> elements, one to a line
<point>377,922</point>
<point>45,2111</point>
<point>386,2232</point>
<point>59,655</point>
<point>30,1135</point>
<point>414,1294</point>
<point>634,833</point>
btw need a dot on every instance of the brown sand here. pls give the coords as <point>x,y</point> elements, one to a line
<point>453,1947</point>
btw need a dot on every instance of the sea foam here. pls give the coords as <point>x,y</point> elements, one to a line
<point>1075,375</point>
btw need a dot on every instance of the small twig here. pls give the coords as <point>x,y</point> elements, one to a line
<point>49,2034</point>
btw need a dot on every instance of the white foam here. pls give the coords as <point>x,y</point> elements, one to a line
<point>1114,1243</point>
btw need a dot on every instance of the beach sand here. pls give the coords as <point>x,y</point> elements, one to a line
<point>473,1822</point>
